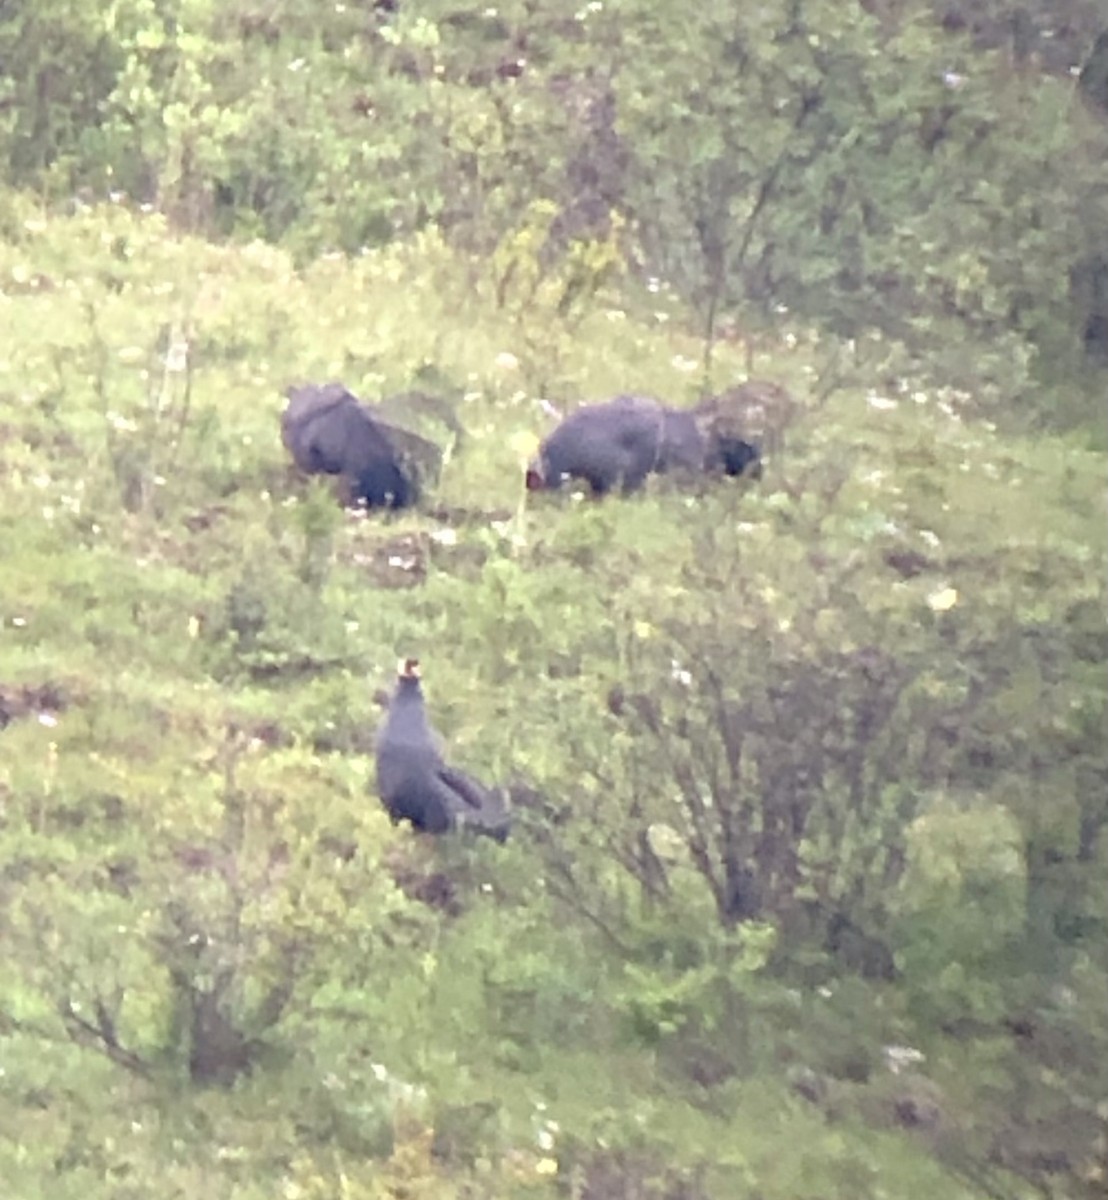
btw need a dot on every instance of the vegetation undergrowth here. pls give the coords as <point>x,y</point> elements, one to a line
<point>809,899</point>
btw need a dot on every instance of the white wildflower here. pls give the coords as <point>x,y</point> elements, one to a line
<point>943,599</point>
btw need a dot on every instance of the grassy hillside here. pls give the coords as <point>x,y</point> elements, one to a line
<point>226,974</point>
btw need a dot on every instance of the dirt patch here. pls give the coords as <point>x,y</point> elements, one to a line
<point>456,516</point>
<point>204,518</point>
<point>268,733</point>
<point>395,562</point>
<point>414,871</point>
<point>37,699</point>
<point>403,561</point>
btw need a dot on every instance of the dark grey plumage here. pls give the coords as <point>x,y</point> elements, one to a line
<point>327,430</point>
<point>620,442</point>
<point>413,780</point>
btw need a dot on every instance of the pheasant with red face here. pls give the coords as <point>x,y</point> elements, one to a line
<point>413,780</point>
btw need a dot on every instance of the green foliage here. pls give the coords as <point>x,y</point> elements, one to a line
<point>807,893</point>
<point>787,165</point>
<point>825,159</point>
<point>962,907</point>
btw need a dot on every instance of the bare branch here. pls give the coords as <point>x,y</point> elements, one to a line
<point>101,1036</point>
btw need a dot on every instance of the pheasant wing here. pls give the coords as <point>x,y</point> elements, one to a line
<point>471,793</point>
<point>475,805</point>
